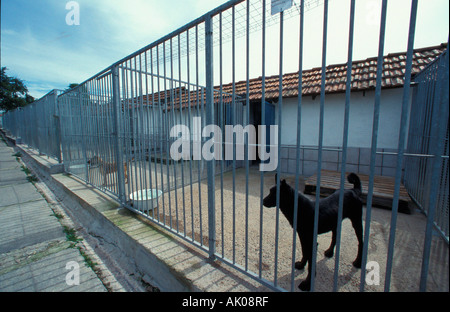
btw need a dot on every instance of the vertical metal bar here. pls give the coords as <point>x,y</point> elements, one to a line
<point>233,101</point>
<point>199,113</point>
<point>109,117</point>
<point>70,144</point>
<point>437,136</point>
<point>175,164</point>
<point>132,99</point>
<point>166,131</point>
<point>172,108</point>
<point>147,141</point>
<point>95,134</point>
<point>181,122</point>
<point>100,126</point>
<point>319,160</point>
<point>131,157</point>
<point>95,121</point>
<point>280,105</point>
<point>127,124</point>
<point>57,124</point>
<point>190,127</point>
<point>246,137</point>
<point>117,130</point>
<point>161,131</point>
<point>155,137</point>
<point>222,123</point>
<point>401,143</point>
<point>142,133</point>
<point>376,117</point>
<point>344,143</point>
<point>299,127</point>
<point>123,147</point>
<point>155,131</point>
<point>105,125</point>
<point>83,135</point>
<point>210,120</point>
<point>263,122</point>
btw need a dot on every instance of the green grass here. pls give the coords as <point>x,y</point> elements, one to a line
<point>57,215</point>
<point>32,178</point>
<point>26,170</point>
<point>71,235</point>
<point>74,239</point>
<point>88,260</point>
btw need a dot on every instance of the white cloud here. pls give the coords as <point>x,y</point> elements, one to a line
<point>49,57</point>
<point>134,24</point>
<point>38,63</point>
<point>50,54</point>
<point>9,32</point>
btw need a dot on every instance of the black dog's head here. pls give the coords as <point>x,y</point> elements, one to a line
<point>271,199</point>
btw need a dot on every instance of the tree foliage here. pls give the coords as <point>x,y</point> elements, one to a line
<point>13,92</point>
<point>72,86</point>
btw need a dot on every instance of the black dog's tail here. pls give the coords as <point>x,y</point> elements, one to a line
<point>354,179</point>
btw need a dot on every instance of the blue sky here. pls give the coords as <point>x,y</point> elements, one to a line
<point>38,46</point>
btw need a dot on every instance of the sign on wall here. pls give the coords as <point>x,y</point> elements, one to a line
<point>280,5</point>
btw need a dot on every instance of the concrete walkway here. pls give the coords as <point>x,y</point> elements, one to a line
<point>35,254</point>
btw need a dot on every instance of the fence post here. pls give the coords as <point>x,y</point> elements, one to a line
<point>209,121</point>
<point>57,126</point>
<point>116,132</point>
<point>83,135</point>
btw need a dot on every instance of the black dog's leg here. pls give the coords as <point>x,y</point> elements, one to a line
<point>300,265</point>
<point>305,285</point>
<point>330,251</point>
<point>357,225</point>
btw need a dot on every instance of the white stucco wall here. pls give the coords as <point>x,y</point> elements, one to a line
<point>361,119</point>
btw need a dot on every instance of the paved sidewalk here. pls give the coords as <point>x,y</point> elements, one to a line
<point>35,254</point>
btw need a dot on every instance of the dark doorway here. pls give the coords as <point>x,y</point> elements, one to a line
<point>256,120</point>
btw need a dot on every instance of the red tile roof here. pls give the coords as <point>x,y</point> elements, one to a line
<point>363,76</point>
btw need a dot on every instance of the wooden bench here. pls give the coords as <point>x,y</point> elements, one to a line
<point>383,190</point>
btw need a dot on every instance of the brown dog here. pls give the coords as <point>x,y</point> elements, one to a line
<point>107,167</point>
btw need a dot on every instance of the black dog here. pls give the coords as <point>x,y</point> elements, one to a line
<point>328,215</point>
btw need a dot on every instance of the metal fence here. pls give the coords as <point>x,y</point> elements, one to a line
<point>427,174</point>
<point>116,135</point>
<point>37,125</point>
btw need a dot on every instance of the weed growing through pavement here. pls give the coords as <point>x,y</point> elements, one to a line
<point>26,170</point>
<point>71,235</point>
<point>74,239</point>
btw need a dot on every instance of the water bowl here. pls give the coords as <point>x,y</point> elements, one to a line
<point>145,200</point>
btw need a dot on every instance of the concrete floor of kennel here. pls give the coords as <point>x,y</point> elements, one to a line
<point>185,216</point>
